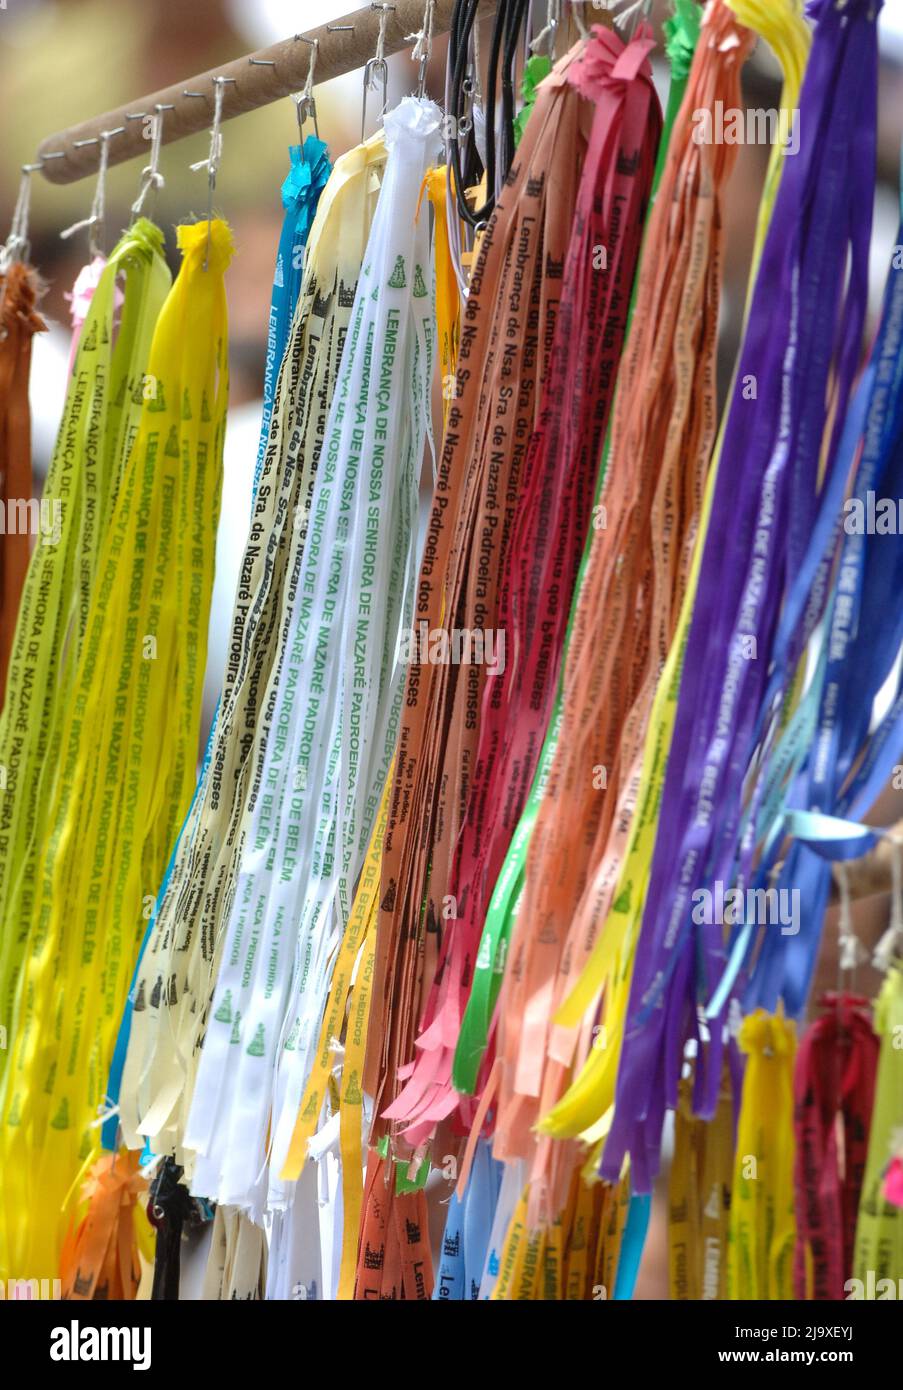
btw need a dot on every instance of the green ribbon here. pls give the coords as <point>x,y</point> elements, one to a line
<point>536,69</point>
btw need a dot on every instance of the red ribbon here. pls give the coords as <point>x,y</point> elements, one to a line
<point>834,1091</point>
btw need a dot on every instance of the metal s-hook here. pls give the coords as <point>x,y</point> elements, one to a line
<point>211,163</point>
<point>423,46</point>
<point>95,220</point>
<point>151,178</point>
<point>376,69</point>
<point>17,245</point>
<point>305,105</point>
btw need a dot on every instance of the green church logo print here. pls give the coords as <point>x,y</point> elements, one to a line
<point>419,290</point>
<point>224,1012</point>
<point>120,394</point>
<point>255,1047</point>
<point>353,1094</point>
<point>172,444</point>
<point>622,901</point>
<point>312,1108</point>
<point>291,1041</point>
<point>236,1031</point>
<point>138,392</point>
<point>89,343</point>
<point>104,335</point>
<point>397,278</point>
<point>158,399</point>
<point>186,405</point>
<point>61,1118</point>
<point>205,409</point>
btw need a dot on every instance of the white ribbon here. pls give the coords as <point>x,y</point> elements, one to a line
<point>336,698</point>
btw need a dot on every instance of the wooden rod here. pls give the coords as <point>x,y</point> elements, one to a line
<point>259,78</point>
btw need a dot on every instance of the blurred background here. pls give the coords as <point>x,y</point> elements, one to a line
<point>62,61</point>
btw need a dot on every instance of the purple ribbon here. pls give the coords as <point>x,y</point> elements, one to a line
<point>805,327</point>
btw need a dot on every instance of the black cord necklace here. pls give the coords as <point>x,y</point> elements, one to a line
<point>508,26</point>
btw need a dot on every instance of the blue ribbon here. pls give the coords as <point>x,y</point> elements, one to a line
<point>632,1243</point>
<point>306,179</point>
<point>468,1226</point>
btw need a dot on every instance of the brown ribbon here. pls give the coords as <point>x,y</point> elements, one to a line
<point>18,324</point>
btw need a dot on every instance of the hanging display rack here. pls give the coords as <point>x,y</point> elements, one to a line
<point>248,83</point>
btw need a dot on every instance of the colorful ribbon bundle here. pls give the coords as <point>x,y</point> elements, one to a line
<point>300,195</point>
<point>504,874</point>
<point>553,514</point>
<point>765,493</point>
<point>166,1033</point>
<point>105,398</point>
<point>662,436</point>
<point>112,812</point>
<point>331,750</point>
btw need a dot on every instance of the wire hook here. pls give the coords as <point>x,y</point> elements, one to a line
<point>305,105</point>
<point>17,245</point>
<point>151,178</point>
<point>376,69</point>
<point>95,220</point>
<point>211,163</point>
<point>423,46</point>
